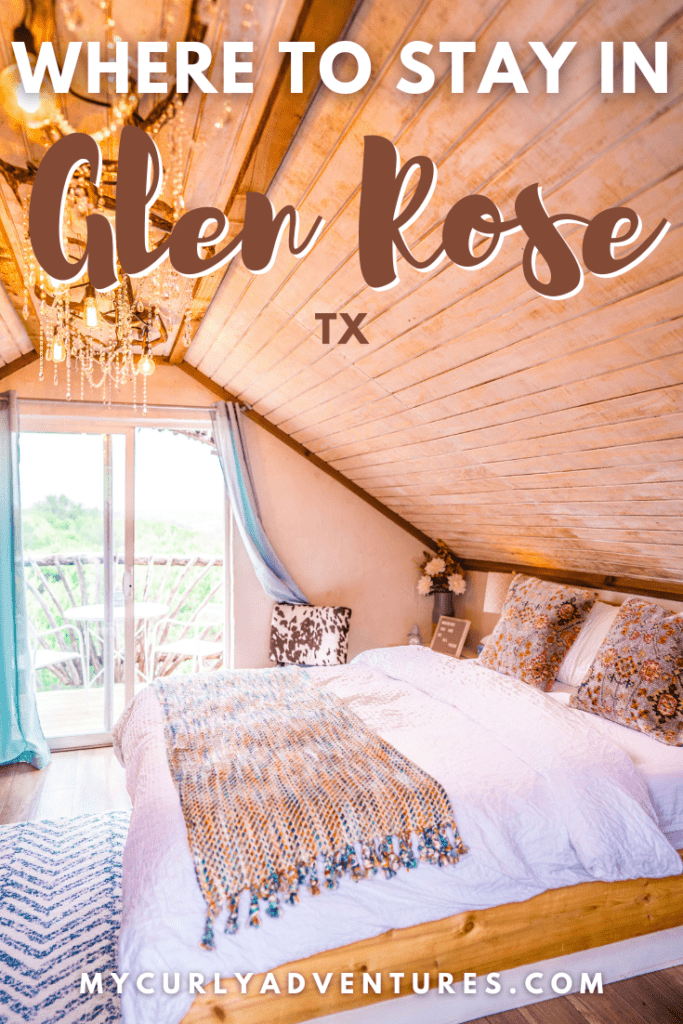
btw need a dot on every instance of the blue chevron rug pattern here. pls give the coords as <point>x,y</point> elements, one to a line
<point>60,912</point>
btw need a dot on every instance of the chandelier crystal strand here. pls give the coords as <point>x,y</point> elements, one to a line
<point>27,263</point>
<point>177,157</point>
<point>55,338</point>
<point>49,328</point>
<point>67,323</point>
<point>67,346</point>
<point>41,328</point>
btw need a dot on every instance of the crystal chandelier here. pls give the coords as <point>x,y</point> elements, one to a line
<point>105,340</point>
<point>97,337</point>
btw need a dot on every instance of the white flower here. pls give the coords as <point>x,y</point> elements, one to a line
<point>424,585</point>
<point>456,583</point>
<point>436,566</point>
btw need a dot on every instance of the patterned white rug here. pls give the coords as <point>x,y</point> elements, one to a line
<point>60,910</point>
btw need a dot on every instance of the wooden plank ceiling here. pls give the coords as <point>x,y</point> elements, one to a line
<point>519,430</point>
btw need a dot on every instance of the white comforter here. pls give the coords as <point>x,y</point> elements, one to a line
<point>540,801</point>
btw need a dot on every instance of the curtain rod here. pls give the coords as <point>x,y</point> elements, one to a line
<point>108,409</point>
<point>63,403</point>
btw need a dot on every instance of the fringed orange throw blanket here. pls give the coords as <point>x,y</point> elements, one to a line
<point>279,782</point>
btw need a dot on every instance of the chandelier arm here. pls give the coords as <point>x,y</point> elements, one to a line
<point>89,99</point>
<point>129,292</point>
<point>159,111</point>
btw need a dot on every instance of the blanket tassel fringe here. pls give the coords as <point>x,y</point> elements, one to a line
<point>436,845</point>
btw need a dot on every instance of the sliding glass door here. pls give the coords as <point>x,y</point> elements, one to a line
<point>124,555</point>
<point>73,502</point>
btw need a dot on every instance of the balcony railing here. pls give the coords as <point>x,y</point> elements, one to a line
<point>186,584</point>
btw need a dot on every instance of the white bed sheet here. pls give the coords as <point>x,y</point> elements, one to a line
<point>660,764</point>
<point>519,843</point>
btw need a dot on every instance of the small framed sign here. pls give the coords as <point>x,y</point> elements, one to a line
<point>449,635</point>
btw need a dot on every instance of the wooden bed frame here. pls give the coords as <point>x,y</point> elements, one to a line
<point>554,923</point>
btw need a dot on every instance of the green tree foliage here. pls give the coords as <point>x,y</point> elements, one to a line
<point>58,525</point>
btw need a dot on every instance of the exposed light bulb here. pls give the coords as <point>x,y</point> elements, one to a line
<point>90,307</point>
<point>33,109</point>
<point>146,363</point>
<point>91,313</point>
<point>28,101</point>
<point>58,351</point>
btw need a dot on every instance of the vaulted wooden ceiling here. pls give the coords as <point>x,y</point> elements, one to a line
<point>518,429</point>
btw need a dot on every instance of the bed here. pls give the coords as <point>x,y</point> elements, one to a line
<point>569,820</point>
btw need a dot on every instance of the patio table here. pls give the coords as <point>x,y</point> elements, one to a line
<point>95,612</point>
<point>144,611</point>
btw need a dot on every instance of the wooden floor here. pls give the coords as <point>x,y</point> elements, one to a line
<point>650,999</point>
<point>76,782</point>
<point>92,781</point>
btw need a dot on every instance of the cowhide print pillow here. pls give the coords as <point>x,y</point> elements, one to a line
<point>636,678</point>
<point>539,623</point>
<point>302,634</point>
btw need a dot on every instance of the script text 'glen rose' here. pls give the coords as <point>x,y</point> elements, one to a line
<point>393,196</point>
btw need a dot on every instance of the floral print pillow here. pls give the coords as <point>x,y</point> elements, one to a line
<point>539,623</point>
<point>636,678</point>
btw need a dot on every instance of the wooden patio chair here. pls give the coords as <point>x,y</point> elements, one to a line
<point>189,644</point>
<point>43,657</point>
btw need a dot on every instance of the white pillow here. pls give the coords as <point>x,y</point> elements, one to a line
<point>581,654</point>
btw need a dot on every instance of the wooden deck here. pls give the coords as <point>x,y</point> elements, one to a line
<point>74,712</point>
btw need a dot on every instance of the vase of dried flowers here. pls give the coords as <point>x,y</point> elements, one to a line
<point>443,605</point>
<point>441,576</point>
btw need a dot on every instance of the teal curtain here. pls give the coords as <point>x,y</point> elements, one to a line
<point>21,738</point>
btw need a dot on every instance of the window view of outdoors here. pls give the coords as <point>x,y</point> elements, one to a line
<point>179,553</point>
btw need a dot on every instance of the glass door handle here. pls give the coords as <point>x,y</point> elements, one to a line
<point>127,584</point>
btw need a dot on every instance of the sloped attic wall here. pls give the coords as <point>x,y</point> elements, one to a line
<point>339,550</point>
<point>522,430</point>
